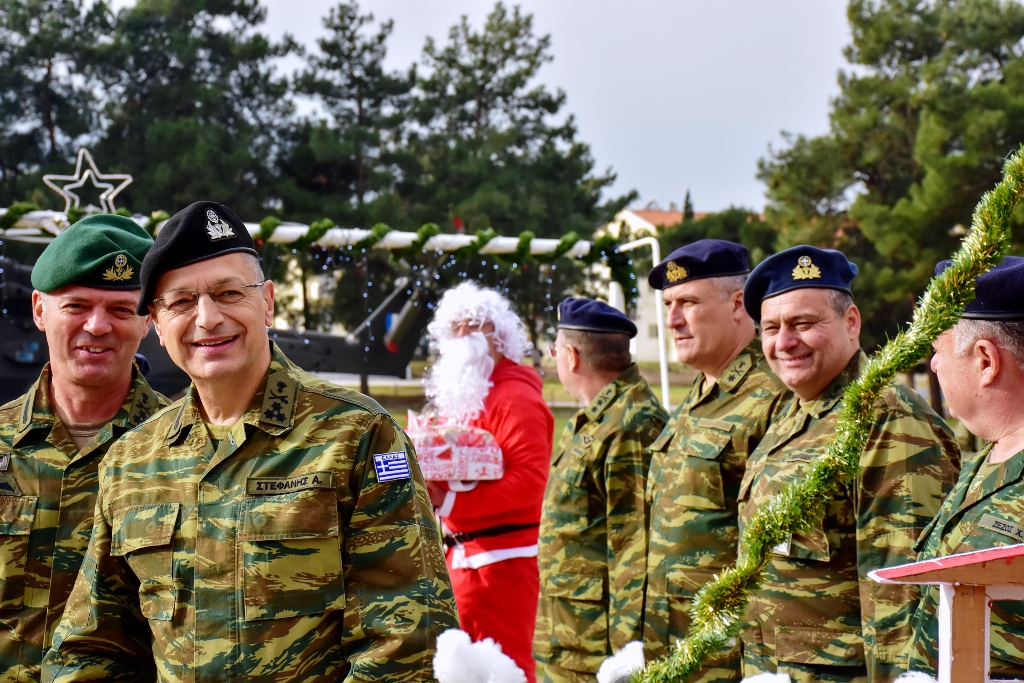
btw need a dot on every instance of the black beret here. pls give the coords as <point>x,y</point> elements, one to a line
<point>577,313</point>
<point>797,268</point>
<point>104,250</point>
<point>200,231</point>
<point>998,293</point>
<point>700,259</point>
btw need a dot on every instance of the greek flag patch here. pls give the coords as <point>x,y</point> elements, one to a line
<point>391,466</point>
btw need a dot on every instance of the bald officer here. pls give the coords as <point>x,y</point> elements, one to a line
<point>52,439</point>
<point>980,366</point>
<point>698,461</point>
<point>817,616</point>
<point>269,525</point>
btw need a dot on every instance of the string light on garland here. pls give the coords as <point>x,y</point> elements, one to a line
<point>717,610</point>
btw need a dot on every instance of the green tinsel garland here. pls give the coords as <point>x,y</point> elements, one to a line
<point>718,608</point>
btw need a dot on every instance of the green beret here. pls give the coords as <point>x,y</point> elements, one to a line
<point>104,250</point>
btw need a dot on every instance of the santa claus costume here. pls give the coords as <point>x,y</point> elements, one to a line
<point>491,527</point>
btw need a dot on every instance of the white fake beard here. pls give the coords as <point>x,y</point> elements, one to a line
<point>460,379</point>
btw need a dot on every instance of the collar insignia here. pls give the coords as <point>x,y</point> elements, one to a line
<point>805,270</point>
<point>675,272</point>
<point>120,271</point>
<point>216,228</point>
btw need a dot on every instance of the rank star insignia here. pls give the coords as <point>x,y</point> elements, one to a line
<point>675,272</point>
<point>216,228</point>
<point>120,271</point>
<point>805,270</point>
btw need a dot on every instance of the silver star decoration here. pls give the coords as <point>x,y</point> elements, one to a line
<point>79,179</point>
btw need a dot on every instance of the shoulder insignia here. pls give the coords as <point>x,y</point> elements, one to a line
<point>587,439</point>
<point>806,270</point>
<point>9,487</point>
<point>392,466</point>
<point>278,399</point>
<point>675,272</point>
<point>120,270</point>
<point>143,405</point>
<point>25,419</point>
<point>5,460</point>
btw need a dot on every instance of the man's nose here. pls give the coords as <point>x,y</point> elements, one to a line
<point>98,323</point>
<point>208,313</point>
<point>786,339</point>
<point>675,317</point>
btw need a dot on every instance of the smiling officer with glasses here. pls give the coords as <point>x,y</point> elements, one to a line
<point>246,519</point>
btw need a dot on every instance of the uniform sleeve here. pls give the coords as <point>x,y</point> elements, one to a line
<point>103,635</point>
<point>627,541</point>
<point>524,428</point>
<point>908,465</point>
<point>398,594</point>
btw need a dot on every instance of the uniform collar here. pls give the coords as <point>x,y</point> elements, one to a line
<point>37,407</point>
<point>607,395</point>
<point>834,391</point>
<point>741,366</point>
<point>272,408</point>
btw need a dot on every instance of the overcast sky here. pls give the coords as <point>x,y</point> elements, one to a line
<point>670,94</point>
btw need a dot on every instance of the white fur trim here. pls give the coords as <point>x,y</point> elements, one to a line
<point>916,677</point>
<point>619,666</point>
<point>447,505</point>
<point>458,660</point>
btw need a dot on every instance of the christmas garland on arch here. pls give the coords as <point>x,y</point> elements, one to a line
<point>717,610</point>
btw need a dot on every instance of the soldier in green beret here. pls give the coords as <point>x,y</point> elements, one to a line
<point>592,540</point>
<point>268,526</point>
<point>53,438</point>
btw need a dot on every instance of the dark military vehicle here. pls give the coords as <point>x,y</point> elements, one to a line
<point>383,344</point>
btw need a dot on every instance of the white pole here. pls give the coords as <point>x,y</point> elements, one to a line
<point>659,314</point>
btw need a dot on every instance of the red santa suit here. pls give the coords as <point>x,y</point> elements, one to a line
<point>493,567</point>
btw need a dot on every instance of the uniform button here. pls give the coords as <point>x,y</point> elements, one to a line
<point>259,519</point>
<point>150,527</point>
<point>851,652</point>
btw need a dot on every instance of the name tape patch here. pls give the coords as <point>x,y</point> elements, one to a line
<point>1001,526</point>
<point>391,466</point>
<point>269,486</point>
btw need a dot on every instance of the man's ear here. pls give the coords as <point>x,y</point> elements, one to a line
<point>572,357</point>
<point>268,297</point>
<point>988,361</point>
<point>37,309</point>
<point>738,311</point>
<point>852,318</point>
<point>156,326</point>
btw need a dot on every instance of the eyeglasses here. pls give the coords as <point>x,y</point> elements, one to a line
<point>182,301</point>
<point>554,349</point>
<point>471,325</point>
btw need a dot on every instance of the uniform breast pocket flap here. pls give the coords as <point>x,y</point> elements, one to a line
<point>700,484</point>
<point>573,586</point>
<point>143,535</point>
<point>291,555</point>
<point>17,514</point>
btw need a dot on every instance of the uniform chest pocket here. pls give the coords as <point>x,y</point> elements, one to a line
<point>16,516</point>
<point>143,535</point>
<point>699,482</point>
<point>290,554</point>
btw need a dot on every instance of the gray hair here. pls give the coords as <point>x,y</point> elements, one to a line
<point>1006,334</point>
<point>840,301</point>
<point>253,262</point>
<point>729,284</point>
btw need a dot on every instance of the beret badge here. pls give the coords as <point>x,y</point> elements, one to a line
<point>120,271</point>
<point>216,228</point>
<point>675,272</point>
<point>806,270</point>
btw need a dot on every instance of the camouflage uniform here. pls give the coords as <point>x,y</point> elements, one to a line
<point>984,510</point>
<point>47,497</point>
<point>817,616</point>
<point>592,541</point>
<point>696,467</point>
<point>278,556</point>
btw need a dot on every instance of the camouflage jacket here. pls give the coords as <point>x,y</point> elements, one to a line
<point>984,510</point>
<point>302,548</point>
<point>592,541</point>
<point>817,609</point>
<point>47,497</point>
<point>696,467</point>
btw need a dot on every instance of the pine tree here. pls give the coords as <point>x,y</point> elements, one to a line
<point>688,207</point>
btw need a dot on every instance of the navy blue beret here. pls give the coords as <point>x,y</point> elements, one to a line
<point>700,259</point>
<point>797,268</point>
<point>577,313</point>
<point>998,293</point>
<point>202,230</point>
